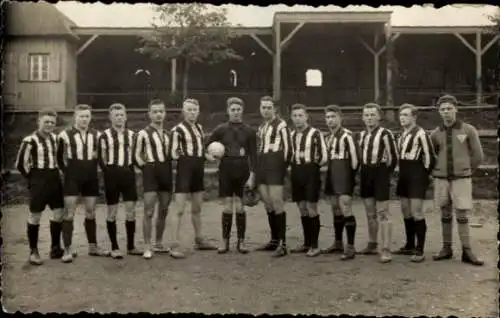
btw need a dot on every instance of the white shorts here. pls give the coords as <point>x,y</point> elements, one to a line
<point>456,192</point>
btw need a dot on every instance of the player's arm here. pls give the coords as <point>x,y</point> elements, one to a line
<point>391,148</point>
<point>427,151</point>
<point>476,149</point>
<point>175,141</point>
<point>102,151</point>
<point>139,149</point>
<point>252,148</point>
<point>216,135</point>
<point>63,139</point>
<point>322,149</point>
<point>435,141</point>
<point>23,159</point>
<point>287,142</point>
<point>353,151</point>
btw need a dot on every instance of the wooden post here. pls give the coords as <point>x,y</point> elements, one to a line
<point>376,77</point>
<point>173,73</point>
<point>389,57</point>
<point>277,63</point>
<point>479,69</point>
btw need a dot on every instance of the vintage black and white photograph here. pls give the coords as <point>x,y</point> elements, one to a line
<point>193,158</point>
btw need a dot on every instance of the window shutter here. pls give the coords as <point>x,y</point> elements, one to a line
<point>24,69</point>
<point>55,67</point>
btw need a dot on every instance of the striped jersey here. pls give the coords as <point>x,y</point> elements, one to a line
<point>274,136</point>
<point>415,145</point>
<point>116,148</point>
<point>37,152</point>
<point>378,146</point>
<point>341,146</point>
<point>309,146</point>
<point>153,146</point>
<point>189,139</point>
<point>75,145</point>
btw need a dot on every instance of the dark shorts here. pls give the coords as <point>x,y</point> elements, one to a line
<point>81,179</point>
<point>157,177</point>
<point>375,182</point>
<point>340,178</point>
<point>271,169</point>
<point>190,175</point>
<point>233,174</point>
<point>45,188</point>
<point>413,180</point>
<point>119,181</point>
<point>306,182</point>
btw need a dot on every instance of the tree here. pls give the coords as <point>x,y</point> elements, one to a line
<point>190,33</point>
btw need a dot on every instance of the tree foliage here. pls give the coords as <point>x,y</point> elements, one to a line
<point>190,33</point>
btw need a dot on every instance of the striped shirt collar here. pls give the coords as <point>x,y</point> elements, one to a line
<point>337,132</point>
<point>374,130</point>
<point>305,130</point>
<point>42,136</point>
<point>411,131</point>
<point>150,126</point>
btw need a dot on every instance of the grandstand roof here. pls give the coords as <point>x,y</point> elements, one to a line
<point>141,15</point>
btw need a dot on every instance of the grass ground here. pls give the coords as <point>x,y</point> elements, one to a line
<point>253,283</point>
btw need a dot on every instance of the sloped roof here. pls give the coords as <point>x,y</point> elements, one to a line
<point>120,15</point>
<point>37,19</point>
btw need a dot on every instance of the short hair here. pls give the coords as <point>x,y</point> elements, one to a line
<point>83,107</point>
<point>155,101</point>
<point>235,100</point>
<point>116,106</point>
<point>192,101</point>
<point>413,109</point>
<point>299,106</point>
<point>334,109</point>
<point>50,113</point>
<point>267,99</point>
<point>373,105</point>
<point>447,99</point>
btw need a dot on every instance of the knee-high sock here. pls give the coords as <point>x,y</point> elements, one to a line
<point>67,233</point>
<point>446,230</point>
<point>271,218</point>
<point>463,231</point>
<point>32,232</point>
<point>227,223</point>
<point>338,224</point>
<point>55,234</point>
<point>350,228</point>
<point>410,232</point>
<point>315,225</point>
<point>420,233</point>
<point>90,230</point>
<point>306,230</point>
<point>130,229</point>
<point>280,220</point>
<point>241,224</point>
<point>111,227</point>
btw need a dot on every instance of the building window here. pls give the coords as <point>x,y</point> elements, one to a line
<point>314,78</point>
<point>39,67</point>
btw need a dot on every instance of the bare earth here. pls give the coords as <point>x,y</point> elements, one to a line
<point>253,283</point>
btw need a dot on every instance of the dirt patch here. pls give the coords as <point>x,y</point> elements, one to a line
<point>254,283</point>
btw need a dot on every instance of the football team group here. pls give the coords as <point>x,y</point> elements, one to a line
<point>62,171</point>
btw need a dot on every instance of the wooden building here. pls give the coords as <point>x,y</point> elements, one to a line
<point>354,57</point>
<point>40,58</point>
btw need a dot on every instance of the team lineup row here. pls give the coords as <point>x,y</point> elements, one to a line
<point>61,169</point>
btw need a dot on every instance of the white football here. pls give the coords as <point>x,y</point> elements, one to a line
<point>216,149</point>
